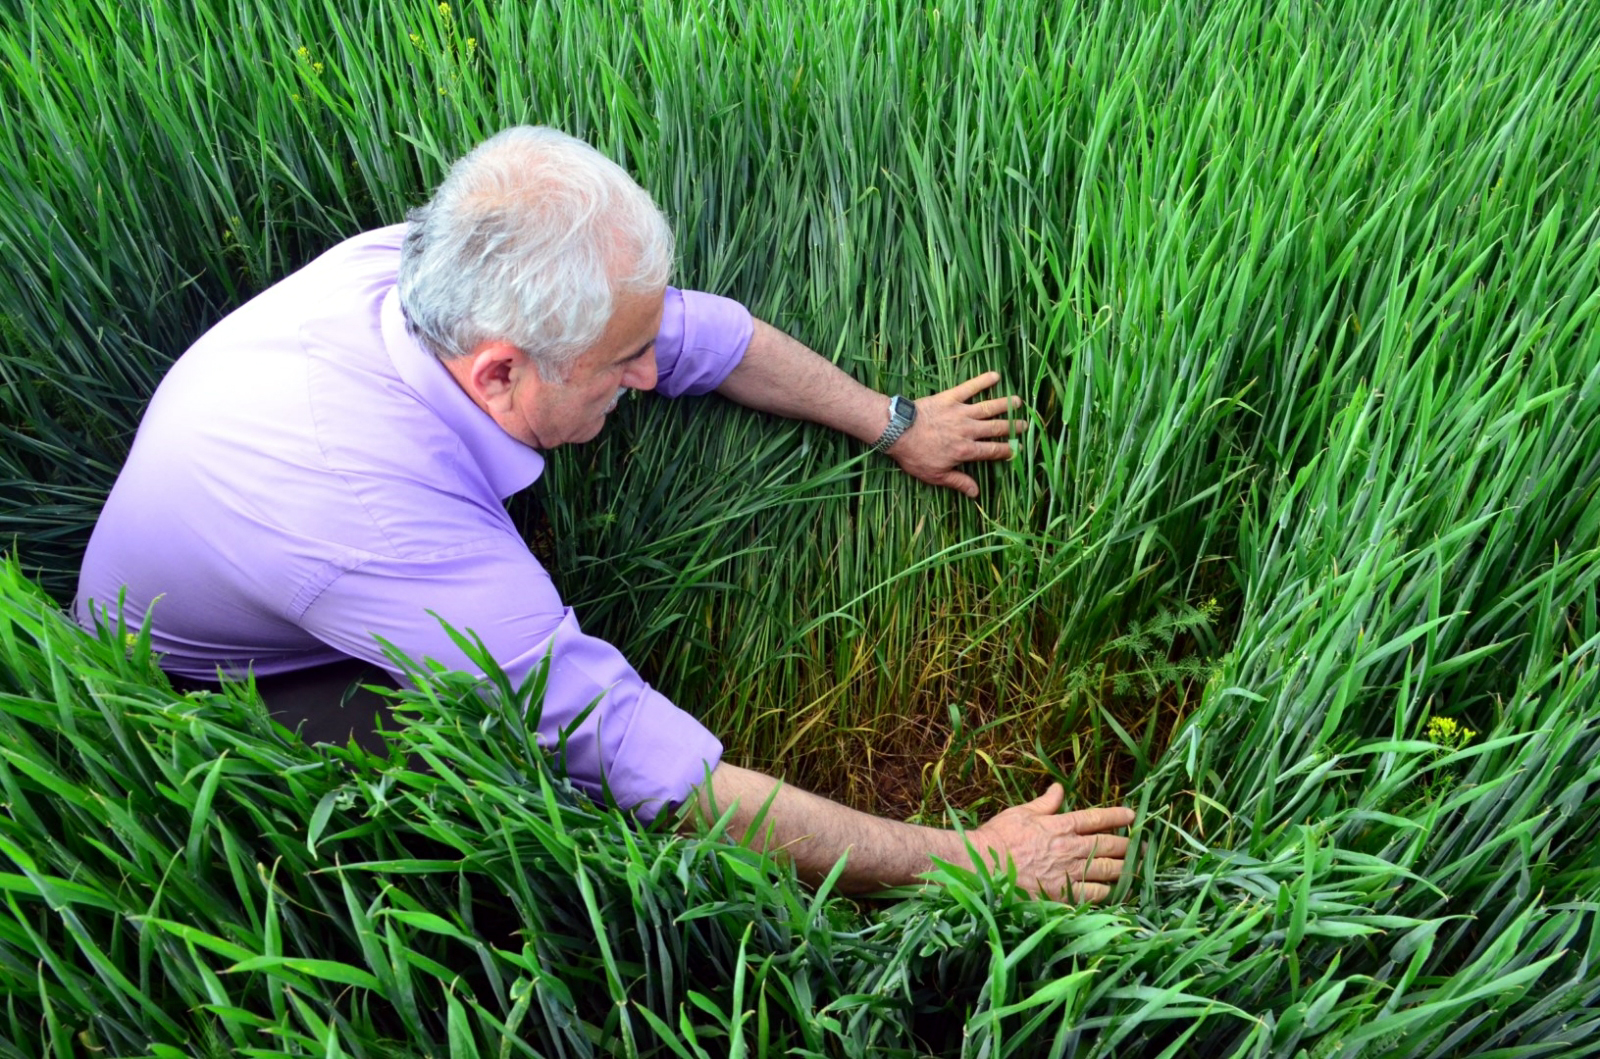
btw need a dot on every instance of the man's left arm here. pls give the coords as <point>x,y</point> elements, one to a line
<point>780,375</point>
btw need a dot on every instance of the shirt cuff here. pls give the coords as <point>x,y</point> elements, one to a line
<point>662,756</point>
<point>702,339</point>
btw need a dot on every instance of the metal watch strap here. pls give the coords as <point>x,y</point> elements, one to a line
<point>902,413</point>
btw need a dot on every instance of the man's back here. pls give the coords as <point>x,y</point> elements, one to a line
<point>285,448</point>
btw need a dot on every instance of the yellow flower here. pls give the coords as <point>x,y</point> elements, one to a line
<point>316,68</point>
<point>1448,732</point>
<point>444,10</point>
<point>472,43</point>
<point>416,39</point>
<point>303,52</point>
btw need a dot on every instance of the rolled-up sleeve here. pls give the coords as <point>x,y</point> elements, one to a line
<point>634,743</point>
<point>702,338</point>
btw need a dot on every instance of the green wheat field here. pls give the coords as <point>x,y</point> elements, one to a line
<point>1300,558</point>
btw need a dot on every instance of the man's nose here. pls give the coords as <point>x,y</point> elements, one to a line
<point>641,374</point>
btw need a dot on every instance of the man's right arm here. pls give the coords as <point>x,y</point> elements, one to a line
<point>1067,856</point>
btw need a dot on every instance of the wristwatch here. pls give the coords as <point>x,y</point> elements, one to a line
<point>902,413</point>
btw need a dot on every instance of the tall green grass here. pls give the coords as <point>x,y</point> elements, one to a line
<point>1301,298</point>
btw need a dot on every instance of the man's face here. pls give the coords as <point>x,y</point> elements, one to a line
<point>545,414</point>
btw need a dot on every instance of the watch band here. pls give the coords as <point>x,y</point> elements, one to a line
<point>902,413</point>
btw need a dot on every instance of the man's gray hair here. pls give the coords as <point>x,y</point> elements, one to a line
<point>529,240</point>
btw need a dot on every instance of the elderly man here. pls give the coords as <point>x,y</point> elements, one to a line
<point>329,465</point>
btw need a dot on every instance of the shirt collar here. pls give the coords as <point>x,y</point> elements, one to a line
<point>507,464</point>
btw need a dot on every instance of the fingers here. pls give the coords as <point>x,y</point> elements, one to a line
<point>1091,879</point>
<point>966,391</point>
<point>1048,803</point>
<point>1111,847</point>
<point>1103,870</point>
<point>1092,892</point>
<point>961,483</point>
<point>1092,821</point>
<point>997,428</point>
<point>991,451</point>
<point>1093,883</point>
<point>999,406</point>
<point>994,408</point>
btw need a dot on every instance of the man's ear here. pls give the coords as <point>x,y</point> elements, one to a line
<point>489,374</point>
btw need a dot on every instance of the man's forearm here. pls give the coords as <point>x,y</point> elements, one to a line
<point>815,832</point>
<point>1074,855</point>
<point>780,375</point>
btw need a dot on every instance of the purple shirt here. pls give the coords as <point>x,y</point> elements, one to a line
<point>308,477</point>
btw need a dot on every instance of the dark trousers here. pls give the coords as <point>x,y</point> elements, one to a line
<point>326,704</point>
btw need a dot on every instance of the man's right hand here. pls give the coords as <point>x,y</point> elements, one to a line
<point>1065,856</point>
<point>1059,855</point>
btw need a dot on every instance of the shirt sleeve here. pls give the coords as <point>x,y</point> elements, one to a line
<point>702,338</point>
<point>635,743</point>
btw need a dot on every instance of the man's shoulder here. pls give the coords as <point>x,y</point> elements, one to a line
<point>298,386</point>
<point>377,250</point>
<point>345,277</point>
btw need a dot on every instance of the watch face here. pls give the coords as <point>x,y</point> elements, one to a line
<point>904,410</point>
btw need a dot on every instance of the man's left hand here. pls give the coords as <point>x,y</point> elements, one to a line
<point>952,429</point>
